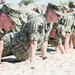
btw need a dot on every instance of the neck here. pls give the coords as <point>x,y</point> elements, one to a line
<point>1,25</point>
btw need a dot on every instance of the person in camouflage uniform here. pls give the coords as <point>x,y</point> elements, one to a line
<point>72,7</point>
<point>68,22</point>
<point>25,9</point>
<point>58,39</point>
<point>9,18</point>
<point>63,31</point>
<point>33,35</point>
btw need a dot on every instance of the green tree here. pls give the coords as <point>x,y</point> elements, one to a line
<point>62,3</point>
<point>27,1</point>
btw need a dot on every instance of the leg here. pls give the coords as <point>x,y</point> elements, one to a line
<point>71,43</point>
<point>7,44</point>
<point>73,39</point>
<point>44,50</point>
<point>61,48</point>
<point>66,42</point>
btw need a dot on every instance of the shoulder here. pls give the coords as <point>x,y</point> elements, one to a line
<point>38,18</point>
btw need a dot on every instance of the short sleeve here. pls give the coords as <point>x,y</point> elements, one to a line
<point>35,29</point>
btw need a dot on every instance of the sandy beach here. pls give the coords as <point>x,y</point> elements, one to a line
<point>55,64</point>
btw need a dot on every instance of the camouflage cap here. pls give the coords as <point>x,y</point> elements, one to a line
<point>54,7</point>
<point>23,17</point>
<point>65,7</point>
<point>13,12</point>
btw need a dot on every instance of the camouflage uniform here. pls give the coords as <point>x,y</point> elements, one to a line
<point>73,27</point>
<point>18,18</point>
<point>29,13</point>
<point>66,24</point>
<point>11,44</point>
<point>2,33</point>
<point>18,42</point>
<point>68,21</point>
<point>59,38</point>
<point>35,29</point>
<point>37,8</point>
<point>13,13</point>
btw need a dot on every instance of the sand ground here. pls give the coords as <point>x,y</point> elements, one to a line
<point>55,64</point>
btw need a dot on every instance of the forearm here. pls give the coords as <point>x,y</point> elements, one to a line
<point>1,49</point>
<point>33,47</point>
<point>44,49</point>
<point>66,41</point>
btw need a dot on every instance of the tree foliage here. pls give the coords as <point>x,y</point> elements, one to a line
<point>27,1</point>
<point>62,3</point>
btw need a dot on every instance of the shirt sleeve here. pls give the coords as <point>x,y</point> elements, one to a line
<point>67,21</point>
<point>35,29</point>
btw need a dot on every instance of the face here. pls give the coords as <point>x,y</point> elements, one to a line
<point>53,16</point>
<point>7,23</point>
<point>56,17</point>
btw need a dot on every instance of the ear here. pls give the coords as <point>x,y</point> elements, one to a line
<point>3,16</point>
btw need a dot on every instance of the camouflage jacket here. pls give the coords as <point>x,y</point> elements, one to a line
<point>68,21</point>
<point>34,29</point>
<point>2,33</point>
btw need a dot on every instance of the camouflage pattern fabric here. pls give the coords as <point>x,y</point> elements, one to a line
<point>7,44</point>
<point>2,33</point>
<point>73,27</point>
<point>34,30</point>
<point>37,8</point>
<point>55,7</point>
<point>29,13</point>
<point>68,22</point>
<point>12,46</point>
<point>59,39</point>
<point>14,13</point>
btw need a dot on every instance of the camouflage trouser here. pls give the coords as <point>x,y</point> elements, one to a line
<point>57,41</point>
<point>12,46</point>
<point>7,45</point>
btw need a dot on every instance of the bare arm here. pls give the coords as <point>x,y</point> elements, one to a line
<point>1,49</point>
<point>33,47</point>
